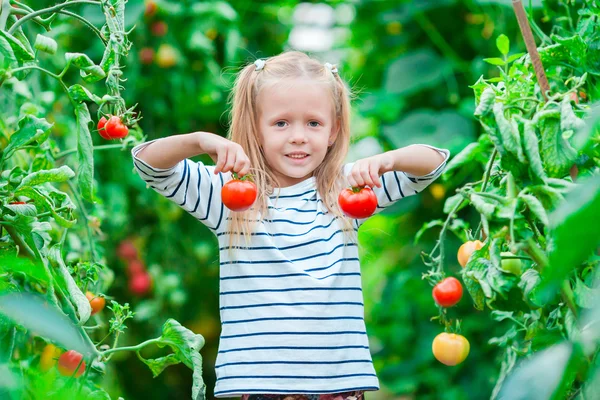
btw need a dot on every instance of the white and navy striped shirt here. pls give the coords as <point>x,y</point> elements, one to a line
<point>291,303</point>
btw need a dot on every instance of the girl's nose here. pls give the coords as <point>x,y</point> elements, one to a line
<point>298,135</point>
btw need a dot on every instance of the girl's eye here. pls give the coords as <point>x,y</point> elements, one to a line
<point>280,124</point>
<point>314,124</point>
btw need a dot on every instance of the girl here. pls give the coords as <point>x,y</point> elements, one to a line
<point>291,304</point>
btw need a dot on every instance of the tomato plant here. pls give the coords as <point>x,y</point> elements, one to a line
<point>448,292</point>
<point>239,193</point>
<point>450,349</point>
<point>51,219</point>
<point>358,203</point>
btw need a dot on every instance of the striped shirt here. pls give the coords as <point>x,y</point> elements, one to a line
<point>291,303</point>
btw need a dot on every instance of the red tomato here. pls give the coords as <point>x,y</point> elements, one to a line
<point>448,292</point>
<point>68,362</point>
<point>140,284</point>
<point>151,9</point>
<point>135,267</point>
<point>238,194</point>
<point>159,28</point>
<point>450,348</point>
<point>18,202</point>
<point>115,128</point>
<point>466,250</point>
<point>146,55</point>
<point>127,250</point>
<point>358,203</point>
<point>101,128</point>
<point>96,302</point>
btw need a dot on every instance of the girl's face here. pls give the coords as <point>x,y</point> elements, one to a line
<point>296,124</point>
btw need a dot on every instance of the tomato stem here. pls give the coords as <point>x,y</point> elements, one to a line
<point>130,348</point>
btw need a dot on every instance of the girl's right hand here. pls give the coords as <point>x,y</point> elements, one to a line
<point>227,155</point>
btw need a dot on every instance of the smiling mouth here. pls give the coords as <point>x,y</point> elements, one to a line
<point>297,156</point>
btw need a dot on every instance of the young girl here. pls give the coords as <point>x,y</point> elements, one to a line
<point>291,304</point>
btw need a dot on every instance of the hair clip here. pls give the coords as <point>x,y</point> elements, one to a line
<point>260,64</point>
<point>332,68</point>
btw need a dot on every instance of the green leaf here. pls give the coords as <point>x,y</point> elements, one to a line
<point>21,52</point>
<point>7,50</point>
<point>509,132</point>
<point>158,365</point>
<point>526,381</point>
<point>495,61</point>
<point>23,209</point>
<point>536,207</point>
<point>503,44</point>
<point>452,202</point>
<point>514,57</point>
<point>12,263</point>
<point>574,232</point>
<point>532,150</point>
<point>45,320</point>
<point>45,204</point>
<point>45,44</point>
<point>483,205</point>
<point>568,119</point>
<point>586,131</point>
<point>585,296</point>
<point>186,345</point>
<point>557,154</point>
<point>30,129</point>
<point>61,174</point>
<point>412,72</point>
<point>466,156</point>
<point>78,93</point>
<point>76,296</point>
<point>486,102</point>
<point>85,152</point>
<point>89,71</point>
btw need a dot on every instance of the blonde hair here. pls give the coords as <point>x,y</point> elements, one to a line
<point>244,131</point>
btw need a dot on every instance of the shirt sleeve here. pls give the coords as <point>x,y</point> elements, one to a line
<point>191,185</point>
<point>397,184</point>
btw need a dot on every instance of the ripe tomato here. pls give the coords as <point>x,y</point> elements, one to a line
<point>150,9</point>
<point>159,28</point>
<point>127,250</point>
<point>68,362</point>
<point>239,194</point>
<point>146,55</point>
<point>465,251</point>
<point>101,127</point>
<point>18,202</point>
<point>448,292</point>
<point>115,128</point>
<point>450,348</point>
<point>96,302</point>
<point>140,284</point>
<point>358,203</point>
<point>166,56</point>
<point>135,267</point>
<point>512,265</point>
<point>49,357</point>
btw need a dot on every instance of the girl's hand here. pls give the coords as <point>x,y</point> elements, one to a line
<point>227,155</point>
<point>366,172</point>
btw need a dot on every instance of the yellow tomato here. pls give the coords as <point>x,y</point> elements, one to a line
<point>450,348</point>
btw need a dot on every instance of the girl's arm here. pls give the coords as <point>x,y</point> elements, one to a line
<point>416,160</point>
<point>169,151</point>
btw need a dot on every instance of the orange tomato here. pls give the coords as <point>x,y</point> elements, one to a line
<point>49,357</point>
<point>466,250</point>
<point>96,302</point>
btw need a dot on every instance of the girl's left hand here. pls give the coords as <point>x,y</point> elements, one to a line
<point>366,172</point>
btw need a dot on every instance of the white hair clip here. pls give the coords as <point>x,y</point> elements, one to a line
<point>332,68</point>
<point>260,64</point>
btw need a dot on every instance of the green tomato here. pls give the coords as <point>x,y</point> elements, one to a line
<point>512,265</point>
